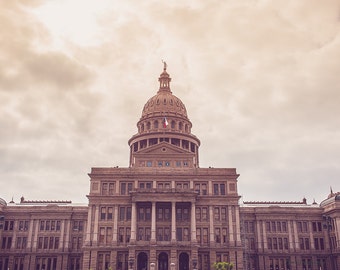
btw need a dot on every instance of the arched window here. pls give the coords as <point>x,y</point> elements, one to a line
<point>173,123</point>
<point>155,124</point>
<point>148,125</point>
<point>180,126</point>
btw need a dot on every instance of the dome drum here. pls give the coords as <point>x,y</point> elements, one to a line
<point>164,124</point>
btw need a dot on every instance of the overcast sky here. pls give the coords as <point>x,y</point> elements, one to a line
<point>260,81</point>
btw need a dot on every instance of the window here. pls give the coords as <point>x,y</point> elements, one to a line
<point>78,225</point>
<point>145,185</point>
<point>182,185</point>
<point>205,236</point>
<point>217,235</point>
<point>50,225</point>
<point>149,163</point>
<point>219,189</point>
<point>201,188</point>
<point>21,242</point>
<point>217,213</point>
<point>204,214</point>
<point>316,226</point>
<point>125,188</point>
<point>121,213</point>
<point>182,212</point>
<point>9,225</point>
<point>48,242</point>
<point>302,226</point>
<point>103,213</point>
<point>23,225</point>
<point>42,263</point>
<point>104,188</point>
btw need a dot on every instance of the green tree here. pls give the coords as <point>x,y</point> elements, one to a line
<point>223,266</point>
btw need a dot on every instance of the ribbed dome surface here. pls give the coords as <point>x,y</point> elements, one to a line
<point>164,103</point>
<point>2,202</point>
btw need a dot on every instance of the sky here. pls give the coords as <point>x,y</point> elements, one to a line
<point>260,81</point>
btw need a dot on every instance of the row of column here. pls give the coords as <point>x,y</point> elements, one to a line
<point>233,223</point>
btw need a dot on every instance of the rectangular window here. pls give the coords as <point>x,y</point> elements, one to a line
<point>111,188</point>
<point>103,213</point>
<point>216,189</point>
<point>204,214</point>
<point>122,188</point>
<point>179,234</point>
<point>217,235</point>
<point>269,242</point>
<point>217,213</point>
<point>128,213</point>
<point>109,213</point>
<point>121,213</point>
<point>104,188</point>
<point>205,236</point>
<point>222,189</point>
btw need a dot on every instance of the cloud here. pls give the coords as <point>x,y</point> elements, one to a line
<point>259,80</point>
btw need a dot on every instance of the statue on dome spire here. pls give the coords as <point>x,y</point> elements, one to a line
<point>165,65</point>
<point>164,79</point>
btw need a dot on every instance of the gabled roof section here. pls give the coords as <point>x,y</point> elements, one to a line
<point>163,148</point>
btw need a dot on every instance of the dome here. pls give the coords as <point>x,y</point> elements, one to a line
<point>164,102</point>
<point>3,202</point>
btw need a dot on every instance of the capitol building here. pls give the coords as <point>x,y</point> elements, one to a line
<point>165,212</point>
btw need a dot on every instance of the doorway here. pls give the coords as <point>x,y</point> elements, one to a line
<point>183,261</point>
<point>163,261</point>
<point>142,261</point>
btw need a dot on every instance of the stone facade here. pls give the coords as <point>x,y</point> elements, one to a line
<point>164,212</point>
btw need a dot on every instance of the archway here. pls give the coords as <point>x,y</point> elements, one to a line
<point>183,261</point>
<point>163,261</point>
<point>142,261</point>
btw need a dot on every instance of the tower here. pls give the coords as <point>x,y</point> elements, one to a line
<point>164,132</point>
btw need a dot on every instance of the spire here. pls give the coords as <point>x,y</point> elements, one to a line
<point>164,80</point>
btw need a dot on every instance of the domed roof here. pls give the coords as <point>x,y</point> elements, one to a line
<point>3,202</point>
<point>164,103</point>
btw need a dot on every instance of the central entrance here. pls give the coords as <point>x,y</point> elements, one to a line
<point>142,261</point>
<point>183,261</point>
<point>163,261</point>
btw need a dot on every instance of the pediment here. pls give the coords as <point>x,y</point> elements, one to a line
<point>163,148</point>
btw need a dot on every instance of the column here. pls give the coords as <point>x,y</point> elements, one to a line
<point>30,234</point>
<point>35,238</point>
<point>231,228</point>
<point>133,222</point>
<point>295,236</point>
<point>211,224</point>
<point>67,229</point>
<point>115,224</point>
<point>88,227</point>
<point>193,222</point>
<point>290,236</point>
<point>259,235</point>
<point>173,221</point>
<point>237,217</point>
<point>95,227</point>
<point>62,233</point>
<point>265,244</point>
<point>153,222</point>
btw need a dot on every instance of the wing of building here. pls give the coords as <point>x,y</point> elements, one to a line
<point>164,212</point>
